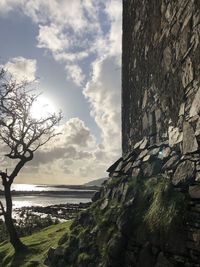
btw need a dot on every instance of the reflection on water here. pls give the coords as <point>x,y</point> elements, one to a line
<point>33,187</point>
<point>27,201</point>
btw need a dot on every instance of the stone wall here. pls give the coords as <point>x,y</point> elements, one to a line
<point>161,72</point>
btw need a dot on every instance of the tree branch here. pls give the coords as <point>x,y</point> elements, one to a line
<point>2,209</point>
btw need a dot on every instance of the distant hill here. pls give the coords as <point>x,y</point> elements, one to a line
<point>96,182</point>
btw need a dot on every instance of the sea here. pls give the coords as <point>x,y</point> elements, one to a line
<point>54,197</point>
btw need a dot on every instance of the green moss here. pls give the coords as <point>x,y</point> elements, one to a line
<point>167,206</point>
<point>38,245</point>
<point>83,258</point>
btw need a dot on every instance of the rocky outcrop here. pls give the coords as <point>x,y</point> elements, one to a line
<point>146,214</point>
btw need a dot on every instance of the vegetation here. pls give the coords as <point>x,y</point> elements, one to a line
<point>38,246</point>
<point>29,224</point>
<point>167,206</point>
<point>22,135</point>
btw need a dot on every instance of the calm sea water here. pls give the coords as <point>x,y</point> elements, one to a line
<point>44,200</point>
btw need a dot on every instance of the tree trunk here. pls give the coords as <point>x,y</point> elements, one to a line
<point>14,238</point>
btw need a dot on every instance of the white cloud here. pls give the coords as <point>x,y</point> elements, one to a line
<point>103,93</point>
<point>75,73</point>
<point>73,31</point>
<point>51,38</point>
<point>22,68</point>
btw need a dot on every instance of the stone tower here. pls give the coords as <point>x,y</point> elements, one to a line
<point>161,73</point>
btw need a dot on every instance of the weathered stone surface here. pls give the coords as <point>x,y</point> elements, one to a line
<point>164,153</point>
<point>175,136</point>
<point>187,75</point>
<point>127,169</point>
<point>135,172</point>
<point>184,173</point>
<point>189,140</point>
<point>59,251</point>
<point>171,163</point>
<point>197,176</point>
<point>154,151</point>
<point>104,204</point>
<point>144,143</point>
<point>194,191</point>
<point>136,163</point>
<point>146,158</point>
<point>115,165</point>
<point>151,168</point>
<point>195,107</point>
<point>50,253</point>
<point>142,154</point>
<point>197,131</point>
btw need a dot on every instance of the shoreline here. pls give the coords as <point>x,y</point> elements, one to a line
<point>59,211</point>
<point>71,193</point>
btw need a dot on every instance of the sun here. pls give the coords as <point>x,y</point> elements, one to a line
<point>42,107</point>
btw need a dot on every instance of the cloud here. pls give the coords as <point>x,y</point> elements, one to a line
<point>75,143</point>
<point>75,73</point>
<point>22,68</point>
<point>103,92</point>
<point>51,38</point>
<point>75,32</point>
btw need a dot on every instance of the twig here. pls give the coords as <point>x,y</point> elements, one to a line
<point>2,208</point>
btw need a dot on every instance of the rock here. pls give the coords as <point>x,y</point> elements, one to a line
<point>195,107</point>
<point>187,75</point>
<point>96,196</point>
<point>154,151</point>
<point>175,136</point>
<point>124,191</point>
<point>189,140</point>
<point>171,163</point>
<point>164,153</point>
<point>63,239</point>
<point>162,261</point>
<point>197,176</point>
<point>127,169</point>
<point>114,166</point>
<point>146,158</point>
<point>116,246</point>
<point>144,143</point>
<point>167,57</point>
<point>61,263</point>
<point>143,154</point>
<point>59,251</point>
<point>151,168</point>
<point>194,191</point>
<point>136,163</point>
<point>182,109</point>
<point>129,157</point>
<point>135,172</point>
<point>104,204</point>
<point>146,257</point>
<point>50,253</point>
<point>184,173</point>
<point>197,131</point>
<point>136,146</point>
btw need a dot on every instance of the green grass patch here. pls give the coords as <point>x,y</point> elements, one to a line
<point>167,206</point>
<point>38,245</point>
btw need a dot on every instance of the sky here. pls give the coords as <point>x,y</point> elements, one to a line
<point>72,50</point>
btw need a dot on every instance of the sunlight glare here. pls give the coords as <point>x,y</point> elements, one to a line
<point>42,107</point>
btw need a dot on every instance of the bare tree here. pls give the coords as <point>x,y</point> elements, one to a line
<point>23,135</point>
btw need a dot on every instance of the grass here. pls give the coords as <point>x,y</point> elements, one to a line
<point>38,245</point>
<point>166,205</point>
